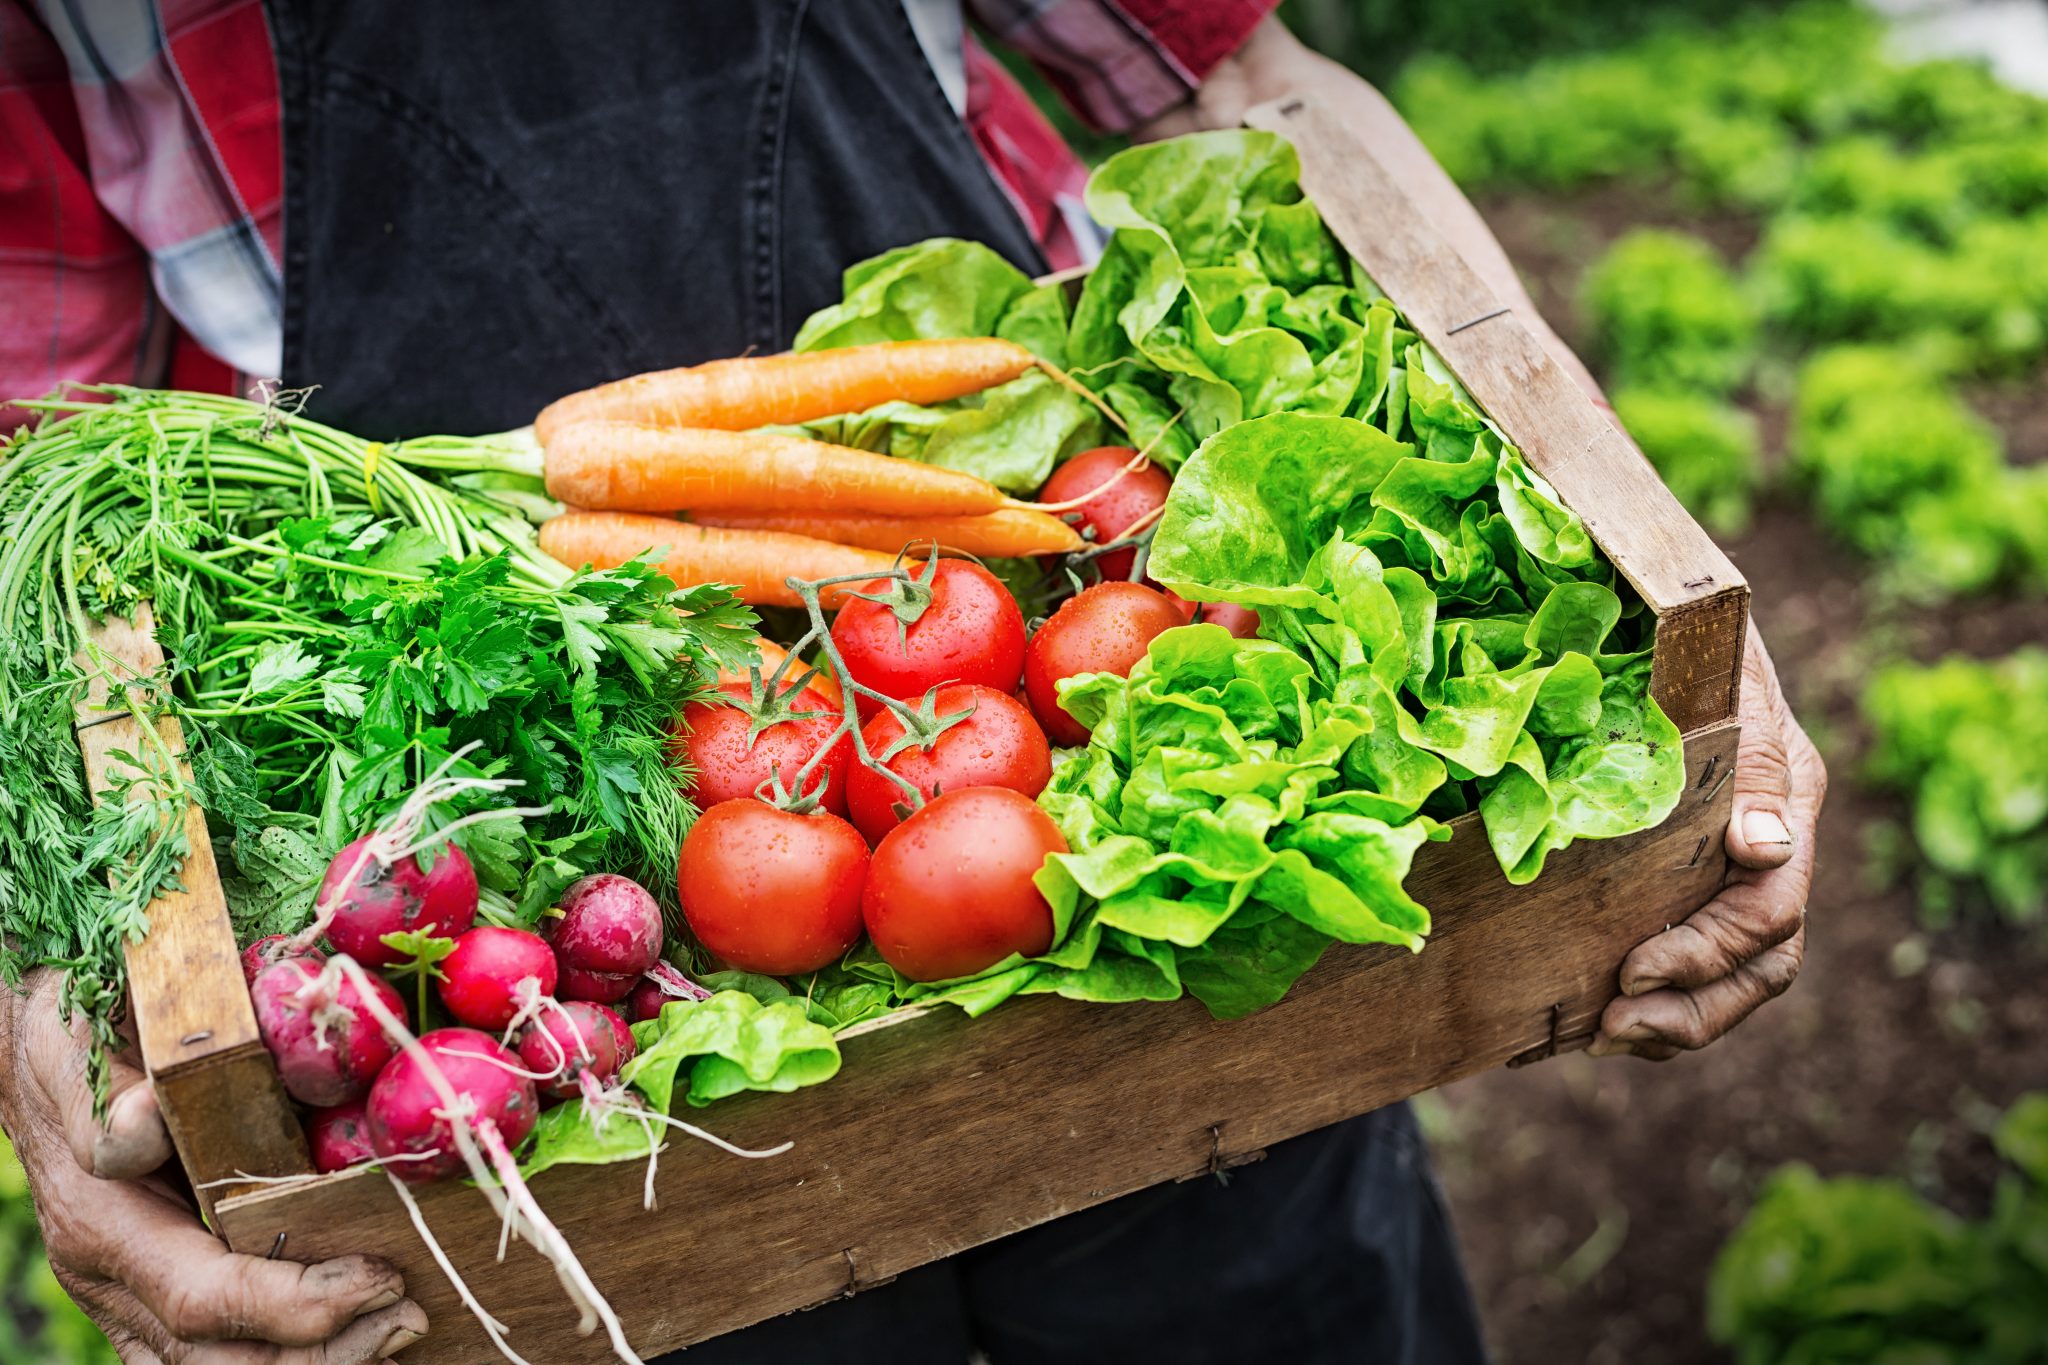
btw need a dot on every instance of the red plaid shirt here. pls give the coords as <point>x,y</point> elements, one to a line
<point>141,180</point>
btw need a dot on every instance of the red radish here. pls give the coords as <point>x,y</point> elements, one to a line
<point>645,1000</point>
<point>729,761</point>
<point>599,988</point>
<point>607,934</point>
<point>622,1033</point>
<point>273,948</point>
<point>997,745</point>
<point>567,1041</point>
<point>338,1137</point>
<point>495,972</point>
<point>327,1046</point>
<point>407,1113</point>
<point>772,891</point>
<point>1103,629</point>
<point>662,984</point>
<point>371,897</point>
<point>1117,498</point>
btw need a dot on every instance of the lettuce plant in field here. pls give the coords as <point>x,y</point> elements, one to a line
<point>1967,742</point>
<point>1853,1269</point>
<point>1706,451</point>
<point>1842,277</point>
<point>1666,314</point>
<point>1900,469</point>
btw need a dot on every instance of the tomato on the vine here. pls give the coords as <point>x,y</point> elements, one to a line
<point>1103,629</point>
<point>771,891</point>
<point>1116,499</point>
<point>971,631</point>
<point>1239,620</point>
<point>712,738</point>
<point>950,890</point>
<point>998,745</point>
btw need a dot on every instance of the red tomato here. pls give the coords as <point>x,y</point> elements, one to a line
<point>972,632</point>
<point>770,891</point>
<point>1240,621</point>
<point>1127,501</point>
<point>950,892</point>
<point>1103,629</point>
<point>999,745</point>
<point>712,738</point>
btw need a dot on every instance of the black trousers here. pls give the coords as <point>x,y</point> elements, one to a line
<point>1336,1247</point>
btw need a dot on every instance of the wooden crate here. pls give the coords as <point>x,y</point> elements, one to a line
<point>942,1132</point>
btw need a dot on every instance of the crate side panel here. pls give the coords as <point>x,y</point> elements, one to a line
<point>942,1132</point>
<point>196,1030</point>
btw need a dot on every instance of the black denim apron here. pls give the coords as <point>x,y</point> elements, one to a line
<point>488,205</point>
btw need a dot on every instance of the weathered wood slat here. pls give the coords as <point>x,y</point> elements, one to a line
<point>219,1092</point>
<point>1701,600</point>
<point>941,1132</point>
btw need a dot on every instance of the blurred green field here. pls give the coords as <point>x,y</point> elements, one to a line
<point>41,1326</point>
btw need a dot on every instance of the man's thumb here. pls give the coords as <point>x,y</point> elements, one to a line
<point>1758,833</point>
<point>133,1141</point>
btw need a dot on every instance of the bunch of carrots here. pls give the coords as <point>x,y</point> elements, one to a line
<point>634,456</point>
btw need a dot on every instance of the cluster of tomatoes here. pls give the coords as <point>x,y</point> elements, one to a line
<point>944,886</point>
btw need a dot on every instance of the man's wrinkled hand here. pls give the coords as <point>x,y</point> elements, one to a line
<point>128,1245</point>
<point>1692,983</point>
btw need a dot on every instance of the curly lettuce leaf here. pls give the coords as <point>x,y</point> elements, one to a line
<point>713,1048</point>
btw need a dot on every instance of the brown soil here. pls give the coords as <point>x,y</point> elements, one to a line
<point>1591,1196</point>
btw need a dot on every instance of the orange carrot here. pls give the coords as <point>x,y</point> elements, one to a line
<point>1012,532</point>
<point>734,395</point>
<point>628,467</point>
<point>755,563</point>
<point>772,655</point>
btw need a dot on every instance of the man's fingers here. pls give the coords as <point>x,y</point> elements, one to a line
<point>139,1339</point>
<point>201,1291</point>
<point>1652,1025</point>
<point>133,1141</point>
<point>372,1337</point>
<point>1755,911</point>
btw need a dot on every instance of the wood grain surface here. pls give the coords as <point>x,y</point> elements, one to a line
<point>195,1028</point>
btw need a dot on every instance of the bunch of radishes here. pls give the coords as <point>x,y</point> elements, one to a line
<point>532,1012</point>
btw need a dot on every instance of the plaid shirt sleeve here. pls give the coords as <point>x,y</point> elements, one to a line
<point>140,193</point>
<point>1122,63</point>
<point>75,284</point>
